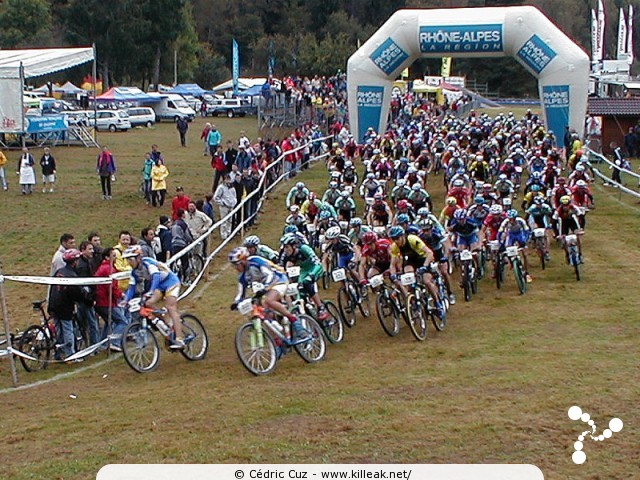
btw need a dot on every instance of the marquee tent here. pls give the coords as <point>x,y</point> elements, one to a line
<point>69,88</point>
<point>126,94</point>
<point>188,89</point>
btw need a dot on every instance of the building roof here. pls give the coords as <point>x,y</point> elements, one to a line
<point>629,107</point>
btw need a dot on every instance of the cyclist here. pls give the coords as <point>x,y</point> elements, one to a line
<point>331,194</point>
<point>582,198</point>
<point>310,207</point>
<point>297,195</point>
<point>164,284</point>
<point>274,280</point>
<point>379,213</point>
<point>338,244</point>
<point>296,219</point>
<point>479,169</point>
<point>466,230</point>
<point>450,207</point>
<point>566,216</point>
<point>254,247</point>
<point>436,241</point>
<point>310,269</point>
<point>460,193</point>
<point>419,197</point>
<point>403,207</point>
<point>515,231</point>
<point>425,213</point>
<point>539,216</point>
<point>293,230</point>
<point>504,187</point>
<point>345,206</point>
<point>401,191</point>
<point>580,173</point>
<point>375,258</point>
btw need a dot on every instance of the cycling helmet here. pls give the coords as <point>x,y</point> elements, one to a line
<point>345,193</point>
<point>290,229</point>
<point>401,182</point>
<point>403,218</point>
<point>416,187</point>
<point>512,213</point>
<point>580,167</point>
<point>460,214</point>
<point>487,186</point>
<point>458,182</point>
<point>451,201</point>
<point>377,197</point>
<point>238,254</point>
<point>402,204</point>
<point>294,208</point>
<point>333,184</point>
<point>538,200</point>
<point>290,239</point>
<point>369,237</point>
<point>565,200</point>
<point>312,196</point>
<point>502,176</point>
<point>562,180</point>
<point>495,209</point>
<point>423,211</point>
<point>333,232</point>
<point>73,254</point>
<point>404,160</point>
<point>355,222</point>
<point>370,176</point>
<point>536,175</point>
<point>412,170</point>
<point>426,224</point>
<point>300,185</point>
<point>376,151</point>
<point>413,229</point>
<point>324,214</point>
<point>535,188</point>
<point>508,160</point>
<point>460,171</point>
<point>348,163</point>
<point>581,184</point>
<point>579,152</point>
<point>251,241</point>
<point>478,200</point>
<point>130,252</point>
<point>396,232</point>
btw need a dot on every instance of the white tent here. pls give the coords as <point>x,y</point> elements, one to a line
<point>244,83</point>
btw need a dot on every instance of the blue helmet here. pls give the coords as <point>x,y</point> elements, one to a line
<point>324,214</point>
<point>460,214</point>
<point>403,218</point>
<point>396,232</point>
<point>478,200</point>
<point>513,213</point>
<point>290,229</point>
<point>535,188</point>
<point>423,211</point>
<point>413,229</point>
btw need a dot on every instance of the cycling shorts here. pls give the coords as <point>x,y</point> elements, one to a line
<point>519,238</point>
<point>569,225</point>
<point>281,288</point>
<point>170,286</point>
<point>439,256</point>
<point>415,263</point>
<point>539,221</point>
<point>381,267</point>
<point>344,259</point>
<point>467,241</point>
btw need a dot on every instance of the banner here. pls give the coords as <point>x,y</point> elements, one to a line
<point>369,101</point>
<point>622,36</point>
<point>235,67</point>
<point>50,123</point>
<point>630,36</point>
<point>388,56</point>
<point>445,69</point>
<point>594,36</point>
<point>600,32</point>
<point>461,38</point>
<point>11,114</point>
<point>556,101</point>
<point>536,54</point>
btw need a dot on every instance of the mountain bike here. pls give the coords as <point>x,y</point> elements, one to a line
<point>513,257</point>
<point>468,276</point>
<point>570,246</point>
<point>418,301</point>
<point>540,244</point>
<point>262,341</point>
<point>140,346</point>
<point>497,261</point>
<point>389,308</point>
<point>195,264</point>
<point>350,297</point>
<point>302,305</point>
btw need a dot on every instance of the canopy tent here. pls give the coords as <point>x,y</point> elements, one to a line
<point>42,61</point>
<point>188,89</point>
<point>244,83</point>
<point>251,91</point>
<point>45,88</point>
<point>126,94</point>
<point>70,89</point>
<point>424,88</point>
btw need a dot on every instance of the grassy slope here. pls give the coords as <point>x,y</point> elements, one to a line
<point>494,388</point>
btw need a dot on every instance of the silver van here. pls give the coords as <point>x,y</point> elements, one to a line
<point>141,116</point>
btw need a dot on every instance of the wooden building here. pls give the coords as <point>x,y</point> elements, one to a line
<point>617,115</point>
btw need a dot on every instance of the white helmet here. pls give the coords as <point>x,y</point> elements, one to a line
<point>495,209</point>
<point>333,232</point>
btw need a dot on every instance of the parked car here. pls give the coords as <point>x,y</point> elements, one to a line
<point>171,107</point>
<point>141,116</point>
<point>112,120</point>
<point>231,107</point>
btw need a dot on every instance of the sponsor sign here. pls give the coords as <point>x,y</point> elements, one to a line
<point>369,99</point>
<point>556,102</point>
<point>46,124</point>
<point>461,38</point>
<point>388,56</point>
<point>536,54</point>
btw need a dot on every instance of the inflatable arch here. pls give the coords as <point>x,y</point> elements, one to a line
<point>561,66</point>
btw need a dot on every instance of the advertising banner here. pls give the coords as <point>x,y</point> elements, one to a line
<point>49,123</point>
<point>11,101</point>
<point>556,101</point>
<point>235,67</point>
<point>461,38</point>
<point>369,100</point>
<point>388,56</point>
<point>536,54</point>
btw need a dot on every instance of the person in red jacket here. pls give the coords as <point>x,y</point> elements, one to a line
<point>109,296</point>
<point>180,201</point>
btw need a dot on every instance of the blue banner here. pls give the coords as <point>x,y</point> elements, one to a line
<point>461,38</point>
<point>536,54</point>
<point>235,67</point>
<point>369,100</point>
<point>51,123</point>
<point>556,102</point>
<point>388,56</point>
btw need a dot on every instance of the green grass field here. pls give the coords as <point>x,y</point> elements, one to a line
<point>495,387</point>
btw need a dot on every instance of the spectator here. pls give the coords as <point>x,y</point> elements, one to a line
<point>630,141</point>
<point>180,238</point>
<point>156,154</point>
<point>214,138</point>
<point>182,125</point>
<point>203,109</point>
<point>26,172</point>
<point>219,167</point>
<point>619,163</point>
<point>121,264</point>
<point>198,223</point>
<point>106,168</point>
<point>243,160</point>
<point>86,314</point>
<point>207,206</point>
<point>94,239</point>
<point>3,175</point>
<point>159,174</point>
<point>163,235</point>
<point>204,137</point>
<point>107,299</point>
<point>67,242</point>
<point>225,198</point>
<point>249,184</point>
<point>289,159</point>
<point>180,201</point>
<point>230,156</point>
<point>236,177</point>
<point>146,242</point>
<point>146,176</point>
<point>48,164</point>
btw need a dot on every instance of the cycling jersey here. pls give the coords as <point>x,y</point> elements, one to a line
<point>307,260</point>
<point>342,246</point>
<point>260,270</point>
<point>162,278</point>
<point>514,231</point>
<point>411,252</point>
<point>460,194</point>
<point>356,238</point>
<point>379,253</point>
<point>266,252</point>
<point>379,209</point>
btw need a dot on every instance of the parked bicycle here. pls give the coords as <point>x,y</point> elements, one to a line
<point>140,345</point>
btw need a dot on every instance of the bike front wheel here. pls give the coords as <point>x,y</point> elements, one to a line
<point>256,350</point>
<point>416,317</point>
<point>35,343</point>
<point>521,281</point>
<point>332,326</point>
<point>140,348</point>
<point>195,338</point>
<point>315,348</point>
<point>347,307</point>
<point>388,316</point>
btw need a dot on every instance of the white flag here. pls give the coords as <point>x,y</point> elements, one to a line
<point>622,36</point>
<point>594,36</point>
<point>630,36</point>
<point>600,33</point>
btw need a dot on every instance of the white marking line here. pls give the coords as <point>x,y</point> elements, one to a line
<point>60,376</point>
<point>210,281</point>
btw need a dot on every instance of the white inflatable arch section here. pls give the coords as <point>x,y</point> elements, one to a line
<point>561,66</point>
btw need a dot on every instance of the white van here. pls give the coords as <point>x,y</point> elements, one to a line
<point>172,107</point>
<point>143,116</point>
<point>112,120</point>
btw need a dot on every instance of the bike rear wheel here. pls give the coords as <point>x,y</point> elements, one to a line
<point>35,343</point>
<point>416,317</point>
<point>388,316</point>
<point>365,301</point>
<point>195,338</point>
<point>519,274</point>
<point>314,349</point>
<point>332,326</point>
<point>466,282</point>
<point>140,348</point>
<point>347,307</point>
<point>256,350</point>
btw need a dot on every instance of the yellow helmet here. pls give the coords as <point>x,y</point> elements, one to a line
<point>451,201</point>
<point>565,200</point>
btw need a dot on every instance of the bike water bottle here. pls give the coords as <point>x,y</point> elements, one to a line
<point>286,324</point>
<point>277,326</point>
<point>163,327</point>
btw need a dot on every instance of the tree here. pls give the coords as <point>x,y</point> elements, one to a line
<point>22,20</point>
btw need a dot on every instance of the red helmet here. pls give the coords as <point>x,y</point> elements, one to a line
<point>71,255</point>
<point>562,180</point>
<point>402,204</point>
<point>369,237</point>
